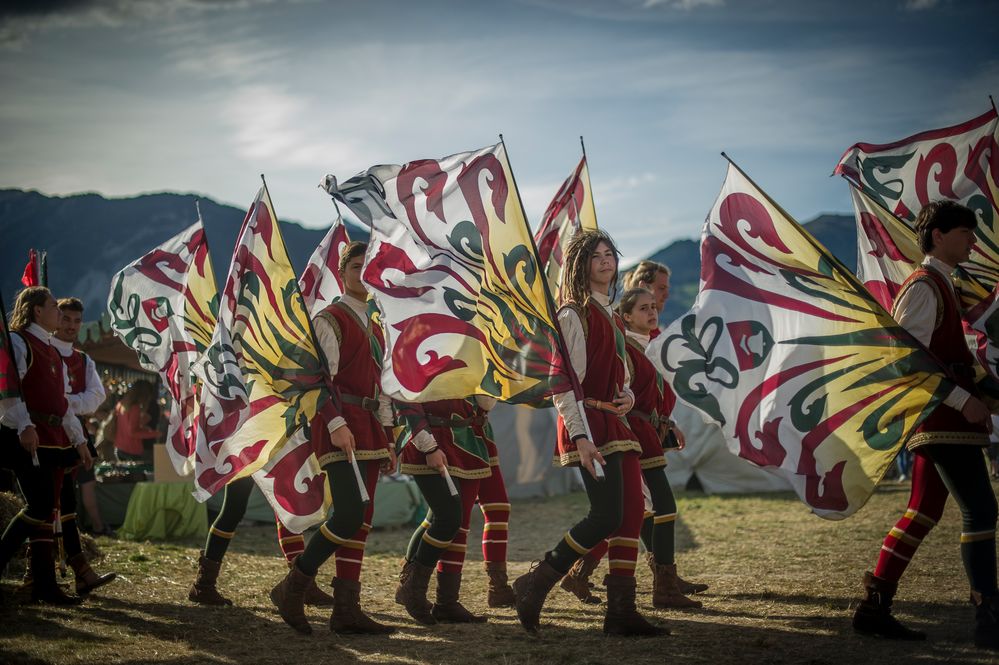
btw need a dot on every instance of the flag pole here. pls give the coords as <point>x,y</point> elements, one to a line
<point>362,490</point>
<point>991,99</point>
<point>577,389</point>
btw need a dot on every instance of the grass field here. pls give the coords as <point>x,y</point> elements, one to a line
<point>783,584</point>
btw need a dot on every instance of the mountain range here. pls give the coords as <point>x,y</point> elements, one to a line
<point>89,237</point>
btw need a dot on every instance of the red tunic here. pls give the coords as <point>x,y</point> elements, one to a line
<point>358,383</point>
<point>947,344</point>
<point>649,411</point>
<point>43,390</point>
<point>76,367</point>
<point>605,358</point>
<point>454,424</point>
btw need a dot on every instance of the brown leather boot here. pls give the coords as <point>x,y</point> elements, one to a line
<point>43,587</point>
<point>314,596</point>
<point>686,588</point>
<point>666,590</point>
<point>986,620</point>
<point>203,590</point>
<point>873,614</point>
<point>531,590</point>
<point>86,579</point>
<point>347,616</point>
<point>622,618</point>
<point>448,609</point>
<point>288,597</point>
<point>414,578</point>
<point>577,580</point>
<point>500,592</point>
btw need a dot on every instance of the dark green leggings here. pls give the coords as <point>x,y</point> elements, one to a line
<point>345,519</point>
<point>444,518</point>
<point>660,539</point>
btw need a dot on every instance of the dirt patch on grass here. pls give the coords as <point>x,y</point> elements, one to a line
<point>783,584</point>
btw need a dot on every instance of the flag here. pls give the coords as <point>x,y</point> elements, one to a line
<point>958,163</point>
<point>10,382</point>
<point>572,209</point>
<point>263,380</point>
<point>164,306</point>
<point>320,282</point>
<point>32,274</point>
<point>452,268</point>
<point>787,353</point>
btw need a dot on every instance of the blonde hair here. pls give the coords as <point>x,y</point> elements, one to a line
<point>645,271</point>
<point>23,313</point>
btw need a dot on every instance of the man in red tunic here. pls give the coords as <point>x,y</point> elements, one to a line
<point>353,346</point>
<point>41,437</point>
<point>947,444</point>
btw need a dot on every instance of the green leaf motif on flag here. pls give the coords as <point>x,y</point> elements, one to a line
<point>714,369</point>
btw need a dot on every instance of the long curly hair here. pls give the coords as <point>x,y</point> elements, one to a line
<point>576,275</point>
<point>23,313</point>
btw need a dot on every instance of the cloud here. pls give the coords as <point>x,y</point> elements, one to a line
<point>21,19</point>
<point>920,5</point>
<point>686,5</point>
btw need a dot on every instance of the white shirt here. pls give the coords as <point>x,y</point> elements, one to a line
<point>13,410</point>
<point>916,311</point>
<point>328,337</point>
<point>93,395</point>
<point>575,342</point>
<point>643,340</point>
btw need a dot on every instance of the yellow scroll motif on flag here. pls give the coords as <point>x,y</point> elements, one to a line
<point>452,268</point>
<point>787,353</point>
<point>263,378</point>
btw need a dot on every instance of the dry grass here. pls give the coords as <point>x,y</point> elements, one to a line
<point>783,582</point>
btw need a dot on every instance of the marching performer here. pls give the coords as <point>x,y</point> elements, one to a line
<point>595,341</point>
<point>947,444</point>
<point>42,437</point>
<point>441,445</point>
<point>353,346</point>
<point>495,506</point>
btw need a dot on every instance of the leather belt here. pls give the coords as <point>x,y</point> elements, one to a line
<point>653,419</point>
<point>46,418</point>
<point>609,407</point>
<point>366,403</point>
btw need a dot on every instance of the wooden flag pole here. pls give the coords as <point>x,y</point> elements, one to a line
<point>577,389</point>
<point>362,490</point>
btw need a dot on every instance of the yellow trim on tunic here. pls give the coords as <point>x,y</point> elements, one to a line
<point>359,455</point>
<point>659,461</point>
<point>951,438</point>
<point>424,470</point>
<point>609,448</point>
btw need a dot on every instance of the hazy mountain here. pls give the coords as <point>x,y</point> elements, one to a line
<point>89,237</point>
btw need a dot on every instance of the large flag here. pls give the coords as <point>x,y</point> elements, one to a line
<point>164,306</point>
<point>803,370</point>
<point>572,209</point>
<point>10,382</point>
<point>452,267</point>
<point>959,163</point>
<point>263,380</point>
<point>320,282</point>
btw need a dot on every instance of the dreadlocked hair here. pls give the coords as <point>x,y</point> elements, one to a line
<point>630,297</point>
<point>23,313</point>
<point>576,275</point>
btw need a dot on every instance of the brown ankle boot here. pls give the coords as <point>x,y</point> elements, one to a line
<point>86,579</point>
<point>44,588</point>
<point>666,590</point>
<point>347,616</point>
<point>686,588</point>
<point>873,614</point>
<point>203,590</point>
<point>986,620</point>
<point>577,580</point>
<point>622,618</point>
<point>500,592</point>
<point>448,609</point>
<point>531,590</point>
<point>288,597</point>
<point>314,596</point>
<point>414,578</point>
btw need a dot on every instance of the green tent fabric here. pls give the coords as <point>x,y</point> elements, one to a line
<point>163,511</point>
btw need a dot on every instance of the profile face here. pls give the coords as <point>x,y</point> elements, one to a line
<point>659,288</point>
<point>47,314</point>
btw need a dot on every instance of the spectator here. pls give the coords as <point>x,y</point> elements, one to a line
<point>132,419</point>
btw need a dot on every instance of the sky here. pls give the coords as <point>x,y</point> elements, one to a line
<point>123,97</point>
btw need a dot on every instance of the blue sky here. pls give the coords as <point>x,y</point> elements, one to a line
<point>123,97</point>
